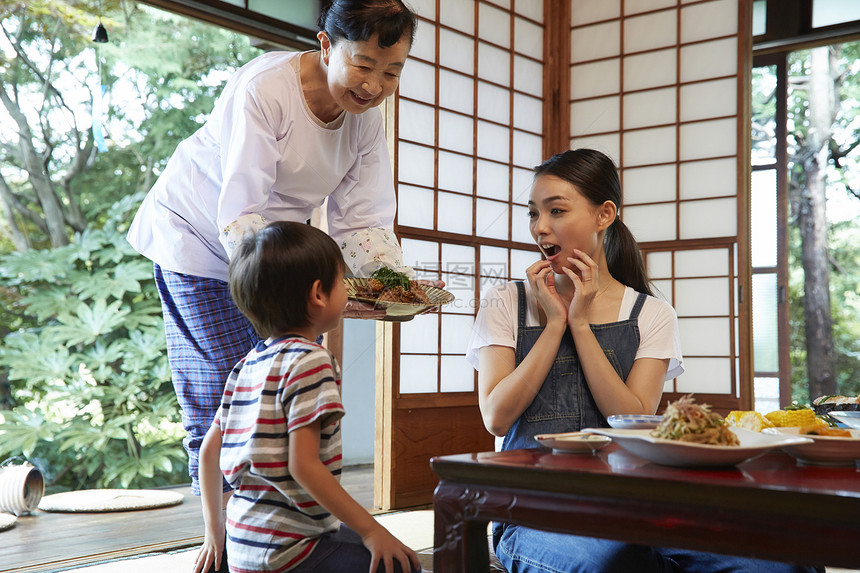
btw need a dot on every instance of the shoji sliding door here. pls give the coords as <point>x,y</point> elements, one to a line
<point>660,86</point>
<point>468,128</point>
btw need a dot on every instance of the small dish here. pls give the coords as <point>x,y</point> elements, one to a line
<point>634,421</point>
<point>687,454</point>
<point>849,418</point>
<point>573,442</point>
<point>399,311</point>
<point>822,450</point>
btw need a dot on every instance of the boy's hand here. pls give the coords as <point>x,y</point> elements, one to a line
<point>385,549</point>
<point>212,551</point>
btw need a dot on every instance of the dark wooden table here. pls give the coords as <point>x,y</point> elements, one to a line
<point>769,507</point>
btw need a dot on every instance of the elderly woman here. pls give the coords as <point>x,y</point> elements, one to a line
<point>288,131</point>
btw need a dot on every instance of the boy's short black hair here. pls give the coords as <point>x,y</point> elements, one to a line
<point>273,270</point>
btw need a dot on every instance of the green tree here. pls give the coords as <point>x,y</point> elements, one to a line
<point>88,394</point>
<point>161,72</point>
<point>94,403</point>
<point>823,160</point>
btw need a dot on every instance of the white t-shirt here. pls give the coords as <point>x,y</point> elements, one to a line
<point>263,154</point>
<point>497,323</point>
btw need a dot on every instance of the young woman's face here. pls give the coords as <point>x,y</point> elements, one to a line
<point>361,74</point>
<point>561,219</point>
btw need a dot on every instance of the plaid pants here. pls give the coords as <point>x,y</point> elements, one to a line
<point>206,336</point>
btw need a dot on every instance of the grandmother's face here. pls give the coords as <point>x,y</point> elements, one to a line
<point>361,74</point>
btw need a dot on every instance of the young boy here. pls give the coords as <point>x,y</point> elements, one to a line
<point>276,437</point>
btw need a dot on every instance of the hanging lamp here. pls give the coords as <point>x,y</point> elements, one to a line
<point>100,35</point>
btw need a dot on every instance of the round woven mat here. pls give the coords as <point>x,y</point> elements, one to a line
<point>7,521</point>
<point>109,500</point>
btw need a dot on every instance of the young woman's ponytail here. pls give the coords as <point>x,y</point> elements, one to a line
<point>624,258</point>
<point>596,177</point>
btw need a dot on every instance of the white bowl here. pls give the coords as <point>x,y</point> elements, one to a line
<point>634,421</point>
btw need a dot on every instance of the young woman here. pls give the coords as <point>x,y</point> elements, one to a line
<point>288,131</point>
<point>581,340</point>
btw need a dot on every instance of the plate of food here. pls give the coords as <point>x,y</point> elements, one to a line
<point>850,419</point>
<point>690,435</point>
<point>826,404</point>
<point>826,446</point>
<point>573,442</point>
<point>634,421</point>
<point>691,454</point>
<point>400,297</point>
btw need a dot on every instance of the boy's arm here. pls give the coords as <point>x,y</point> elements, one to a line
<point>310,473</point>
<point>210,478</point>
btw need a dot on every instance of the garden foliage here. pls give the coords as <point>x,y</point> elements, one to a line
<point>93,405</point>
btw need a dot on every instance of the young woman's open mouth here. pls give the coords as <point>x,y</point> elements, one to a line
<point>549,251</point>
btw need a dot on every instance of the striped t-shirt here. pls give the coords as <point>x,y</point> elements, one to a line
<point>283,384</point>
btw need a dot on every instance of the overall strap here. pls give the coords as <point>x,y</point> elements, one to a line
<point>521,303</point>
<point>637,306</point>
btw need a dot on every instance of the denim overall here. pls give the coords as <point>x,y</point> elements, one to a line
<point>564,402</point>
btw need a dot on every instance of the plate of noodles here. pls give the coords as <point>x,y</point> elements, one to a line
<point>690,435</point>
<point>691,454</point>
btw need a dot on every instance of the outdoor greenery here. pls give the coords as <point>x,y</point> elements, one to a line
<point>85,389</point>
<point>823,121</point>
<point>93,401</point>
<point>834,135</point>
<point>845,291</point>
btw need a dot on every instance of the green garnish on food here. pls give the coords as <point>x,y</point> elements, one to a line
<point>391,279</point>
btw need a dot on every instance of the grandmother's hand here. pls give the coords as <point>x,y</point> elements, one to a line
<point>437,284</point>
<point>357,309</point>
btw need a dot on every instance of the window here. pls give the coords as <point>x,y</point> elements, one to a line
<point>782,357</point>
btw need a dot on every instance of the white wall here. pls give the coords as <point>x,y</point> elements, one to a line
<point>359,390</point>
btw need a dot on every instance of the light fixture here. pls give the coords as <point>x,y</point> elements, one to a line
<point>100,35</point>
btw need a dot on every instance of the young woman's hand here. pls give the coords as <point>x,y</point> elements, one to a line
<point>542,282</point>
<point>385,549</point>
<point>584,276</point>
<point>212,551</point>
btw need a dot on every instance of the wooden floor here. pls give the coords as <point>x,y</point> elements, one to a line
<point>48,541</point>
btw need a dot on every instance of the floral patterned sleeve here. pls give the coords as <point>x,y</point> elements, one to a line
<point>235,232</point>
<point>367,250</point>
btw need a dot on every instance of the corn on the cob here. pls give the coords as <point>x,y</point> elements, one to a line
<point>792,418</point>
<point>749,420</point>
